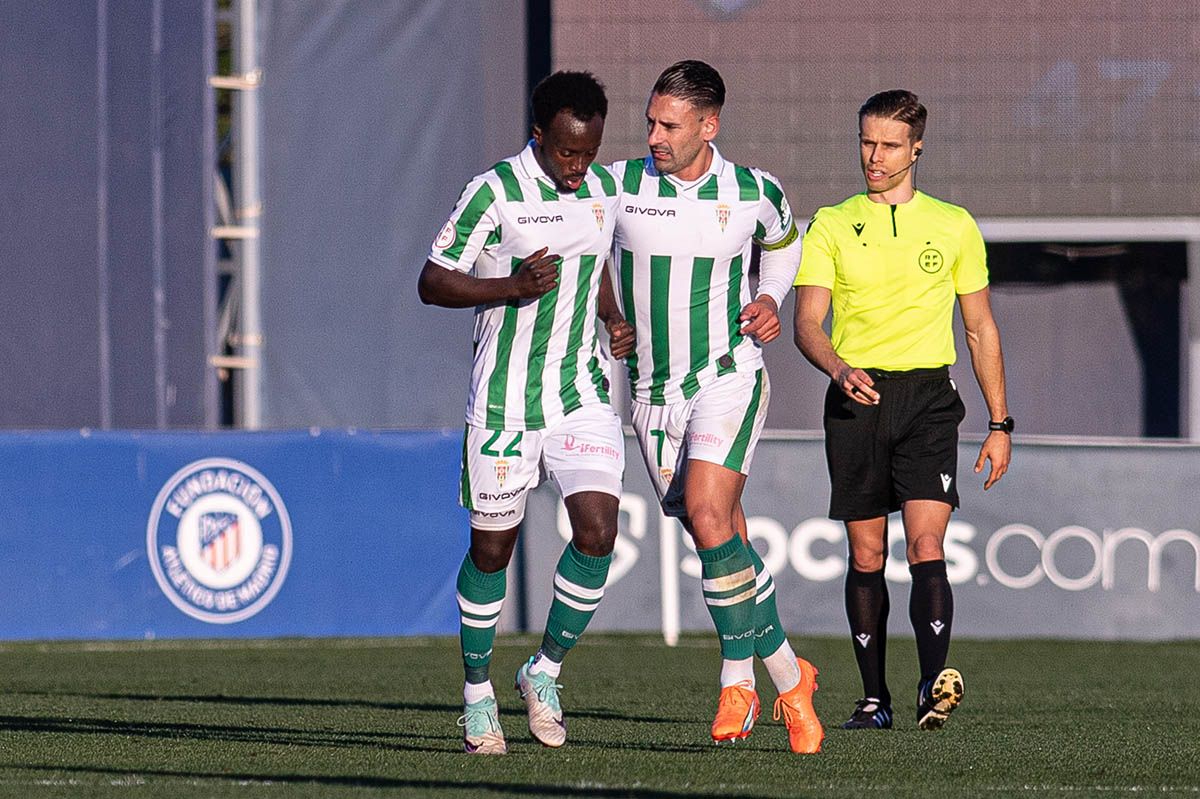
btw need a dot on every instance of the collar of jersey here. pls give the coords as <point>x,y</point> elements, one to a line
<point>714,168</point>
<point>918,198</point>
<point>530,166</point>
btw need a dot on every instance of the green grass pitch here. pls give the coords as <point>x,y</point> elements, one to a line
<point>376,717</point>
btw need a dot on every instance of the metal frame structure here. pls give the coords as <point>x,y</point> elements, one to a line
<point>239,213</point>
<point>1128,229</point>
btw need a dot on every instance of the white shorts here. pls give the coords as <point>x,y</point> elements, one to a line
<point>720,424</point>
<point>585,451</point>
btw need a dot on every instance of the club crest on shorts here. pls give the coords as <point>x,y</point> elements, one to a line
<point>598,212</point>
<point>219,540</point>
<point>501,472</point>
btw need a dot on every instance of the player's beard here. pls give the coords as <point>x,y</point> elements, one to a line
<point>677,161</point>
<point>663,162</point>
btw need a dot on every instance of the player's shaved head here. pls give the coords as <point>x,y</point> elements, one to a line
<point>900,105</point>
<point>693,81</point>
<point>578,93</point>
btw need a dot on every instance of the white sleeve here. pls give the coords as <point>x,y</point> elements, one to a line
<point>777,270</point>
<point>470,229</point>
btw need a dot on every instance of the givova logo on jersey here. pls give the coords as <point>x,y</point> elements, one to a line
<point>219,540</point>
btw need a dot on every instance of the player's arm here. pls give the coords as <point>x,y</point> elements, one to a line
<point>778,262</point>
<point>450,288</point>
<point>987,360</point>
<point>776,270</point>
<point>812,306</point>
<point>760,319</point>
<point>620,333</point>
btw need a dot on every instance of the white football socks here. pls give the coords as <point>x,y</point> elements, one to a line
<point>474,691</point>
<point>782,666</point>
<point>544,665</point>
<point>737,671</point>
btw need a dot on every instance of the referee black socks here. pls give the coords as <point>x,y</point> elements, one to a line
<point>867,607</point>
<point>931,610</point>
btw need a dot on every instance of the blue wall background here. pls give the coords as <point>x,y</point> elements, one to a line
<point>371,554</point>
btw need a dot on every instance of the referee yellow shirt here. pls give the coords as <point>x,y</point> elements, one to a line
<point>894,272</point>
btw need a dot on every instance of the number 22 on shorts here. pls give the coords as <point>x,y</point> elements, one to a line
<point>511,451</point>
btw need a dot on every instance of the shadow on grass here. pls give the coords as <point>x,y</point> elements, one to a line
<point>381,783</point>
<point>399,741</point>
<point>182,731</point>
<point>607,714</point>
<point>226,699</point>
<point>604,714</point>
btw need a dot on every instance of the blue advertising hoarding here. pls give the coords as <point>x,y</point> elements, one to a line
<point>150,535</point>
<point>343,533</point>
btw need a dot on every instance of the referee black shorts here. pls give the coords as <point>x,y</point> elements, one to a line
<point>906,447</point>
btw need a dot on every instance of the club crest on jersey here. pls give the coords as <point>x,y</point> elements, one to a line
<point>723,216</point>
<point>598,213</point>
<point>219,540</point>
<point>666,474</point>
<point>446,237</point>
<point>501,471</point>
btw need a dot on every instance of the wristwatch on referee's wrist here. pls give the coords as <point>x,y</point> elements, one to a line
<point>1005,425</point>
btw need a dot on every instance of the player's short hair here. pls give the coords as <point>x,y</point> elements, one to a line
<point>579,93</point>
<point>693,81</point>
<point>900,105</point>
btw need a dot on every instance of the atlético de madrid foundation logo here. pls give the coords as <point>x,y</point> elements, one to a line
<point>219,540</point>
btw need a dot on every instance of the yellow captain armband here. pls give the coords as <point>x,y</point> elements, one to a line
<point>792,234</point>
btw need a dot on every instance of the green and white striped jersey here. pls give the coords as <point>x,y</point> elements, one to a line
<point>535,360</point>
<point>681,256</point>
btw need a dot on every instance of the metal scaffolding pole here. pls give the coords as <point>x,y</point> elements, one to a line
<point>241,319</point>
<point>1191,344</point>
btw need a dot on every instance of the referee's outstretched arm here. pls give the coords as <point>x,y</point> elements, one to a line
<point>987,359</point>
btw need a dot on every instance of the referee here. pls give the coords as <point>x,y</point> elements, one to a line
<point>891,261</point>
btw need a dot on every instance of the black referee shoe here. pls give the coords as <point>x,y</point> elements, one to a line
<point>869,714</point>
<point>937,698</point>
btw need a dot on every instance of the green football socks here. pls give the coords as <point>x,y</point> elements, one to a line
<point>727,574</point>
<point>480,598</point>
<point>768,630</point>
<point>578,589</point>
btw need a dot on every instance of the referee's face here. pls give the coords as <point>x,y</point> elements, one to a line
<point>567,148</point>
<point>888,153</point>
<point>678,134</point>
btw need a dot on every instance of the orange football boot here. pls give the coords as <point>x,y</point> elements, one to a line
<point>804,728</point>
<point>737,710</point>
